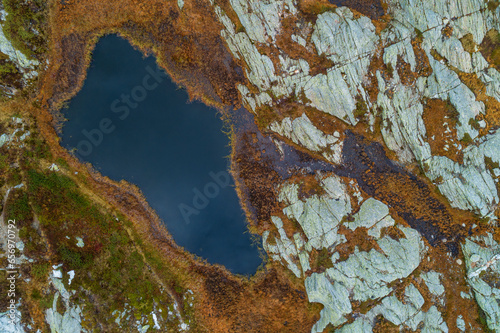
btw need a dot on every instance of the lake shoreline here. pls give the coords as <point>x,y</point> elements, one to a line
<point>190,272</point>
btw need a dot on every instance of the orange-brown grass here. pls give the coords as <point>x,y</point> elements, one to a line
<point>255,183</point>
<point>312,8</point>
<point>357,238</point>
<point>309,186</point>
<point>492,105</point>
<point>423,67</point>
<point>407,76</point>
<point>376,64</point>
<point>325,122</point>
<point>317,63</point>
<point>438,116</point>
<point>383,325</point>
<point>270,304</point>
<point>186,43</point>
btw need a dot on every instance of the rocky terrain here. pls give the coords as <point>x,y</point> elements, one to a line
<point>386,73</point>
<point>368,161</point>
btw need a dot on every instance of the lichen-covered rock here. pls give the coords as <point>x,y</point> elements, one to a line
<point>372,215</point>
<point>334,297</point>
<point>16,56</point>
<point>483,270</point>
<point>302,131</point>
<point>418,34</point>
<point>70,320</point>
<point>365,276</point>
<point>7,325</point>
<point>16,135</point>
<point>351,53</point>
<point>403,314</point>
<point>349,43</point>
<point>319,216</point>
<point>283,248</point>
<point>432,280</point>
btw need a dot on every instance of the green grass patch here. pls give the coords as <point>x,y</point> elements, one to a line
<point>361,108</point>
<point>38,148</point>
<point>474,123</point>
<point>55,196</point>
<point>46,301</point>
<point>18,208</point>
<point>73,259</point>
<point>490,164</point>
<point>9,73</point>
<point>25,25</point>
<point>3,162</point>
<point>323,259</point>
<point>62,163</point>
<point>40,270</point>
<point>466,139</point>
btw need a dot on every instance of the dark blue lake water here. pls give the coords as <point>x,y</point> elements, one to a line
<point>131,122</point>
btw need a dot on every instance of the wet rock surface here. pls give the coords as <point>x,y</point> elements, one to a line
<point>369,165</point>
<point>372,9</point>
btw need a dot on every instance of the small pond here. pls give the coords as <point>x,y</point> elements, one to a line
<point>131,122</point>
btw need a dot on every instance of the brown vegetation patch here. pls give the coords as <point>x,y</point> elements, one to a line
<point>317,63</point>
<point>371,8</point>
<point>383,325</point>
<point>321,260</point>
<point>377,64</point>
<point>257,179</point>
<point>312,8</point>
<point>492,105</point>
<point>357,238</point>
<point>393,231</point>
<point>447,31</point>
<point>269,304</point>
<point>423,67</point>
<point>69,56</point>
<point>309,186</point>
<point>290,107</point>
<point>407,76</point>
<point>325,122</point>
<point>405,196</point>
<point>468,43</point>
<point>187,44</point>
<point>440,119</point>
<point>490,48</point>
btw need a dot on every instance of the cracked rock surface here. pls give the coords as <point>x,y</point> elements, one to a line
<point>424,80</point>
